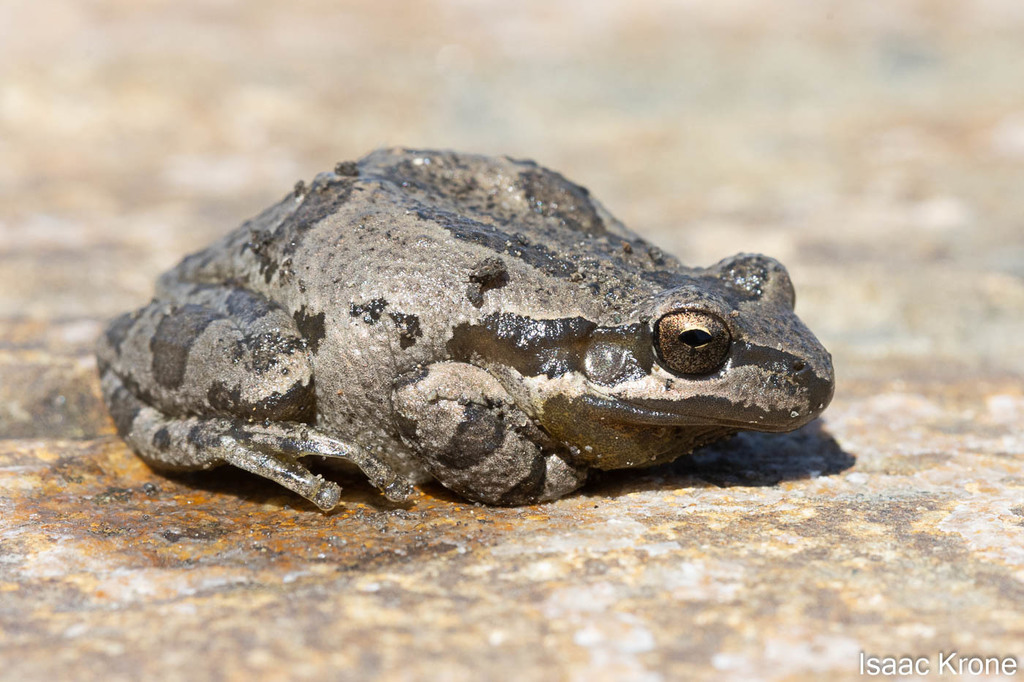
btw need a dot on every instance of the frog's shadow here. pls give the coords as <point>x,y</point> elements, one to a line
<point>747,459</point>
<point>253,489</point>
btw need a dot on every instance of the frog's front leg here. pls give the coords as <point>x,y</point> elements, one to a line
<point>219,375</point>
<point>474,440</point>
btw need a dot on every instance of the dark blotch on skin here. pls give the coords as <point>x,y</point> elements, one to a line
<point>447,176</point>
<point>118,331</point>
<point>272,249</point>
<point>490,273</point>
<point>346,168</point>
<point>552,196</point>
<point>408,329</point>
<point>173,340</point>
<point>370,312</point>
<point>319,205</point>
<point>298,403</point>
<point>266,350</point>
<point>532,347</point>
<point>478,435</point>
<point>406,426</point>
<point>311,327</point>
<point>414,377</point>
<point>162,439</point>
<point>223,399</point>
<point>136,390</point>
<point>198,437</point>
<point>260,243</point>
<point>315,207</point>
<point>497,240</point>
<point>124,408</point>
<point>246,306</point>
<point>529,489</point>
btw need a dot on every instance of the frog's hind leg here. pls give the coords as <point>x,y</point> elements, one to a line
<point>270,449</point>
<point>189,444</point>
<point>187,381</point>
<point>212,350</point>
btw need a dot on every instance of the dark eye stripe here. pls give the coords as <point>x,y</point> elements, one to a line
<point>608,355</point>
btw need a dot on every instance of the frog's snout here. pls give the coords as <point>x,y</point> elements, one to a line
<point>817,381</point>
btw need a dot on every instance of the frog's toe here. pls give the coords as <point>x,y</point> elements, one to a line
<point>560,478</point>
<point>398,490</point>
<point>328,496</point>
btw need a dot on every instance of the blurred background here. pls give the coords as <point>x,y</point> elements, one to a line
<point>875,148</point>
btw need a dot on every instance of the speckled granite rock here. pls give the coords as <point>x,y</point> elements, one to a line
<point>878,152</point>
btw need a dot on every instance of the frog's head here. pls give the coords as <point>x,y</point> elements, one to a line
<point>722,351</point>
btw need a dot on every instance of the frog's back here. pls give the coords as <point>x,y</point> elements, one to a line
<point>523,213</point>
<point>402,219</point>
<point>450,212</point>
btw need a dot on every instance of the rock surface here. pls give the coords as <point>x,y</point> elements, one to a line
<point>878,152</point>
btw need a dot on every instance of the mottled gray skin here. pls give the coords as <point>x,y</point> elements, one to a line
<point>480,320</point>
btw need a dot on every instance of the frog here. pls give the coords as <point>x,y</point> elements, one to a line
<point>480,321</point>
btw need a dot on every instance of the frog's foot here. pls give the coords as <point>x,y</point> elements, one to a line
<point>269,449</point>
<point>475,441</point>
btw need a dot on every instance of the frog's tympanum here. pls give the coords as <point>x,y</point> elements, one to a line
<point>483,321</point>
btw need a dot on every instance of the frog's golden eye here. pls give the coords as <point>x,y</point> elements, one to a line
<point>691,342</point>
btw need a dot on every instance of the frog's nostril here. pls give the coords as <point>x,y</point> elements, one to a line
<point>799,366</point>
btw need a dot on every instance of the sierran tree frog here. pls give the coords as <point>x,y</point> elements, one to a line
<point>480,320</point>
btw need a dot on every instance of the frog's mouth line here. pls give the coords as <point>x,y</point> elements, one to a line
<point>640,413</point>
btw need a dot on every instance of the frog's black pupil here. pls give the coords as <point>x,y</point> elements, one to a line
<point>694,338</point>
